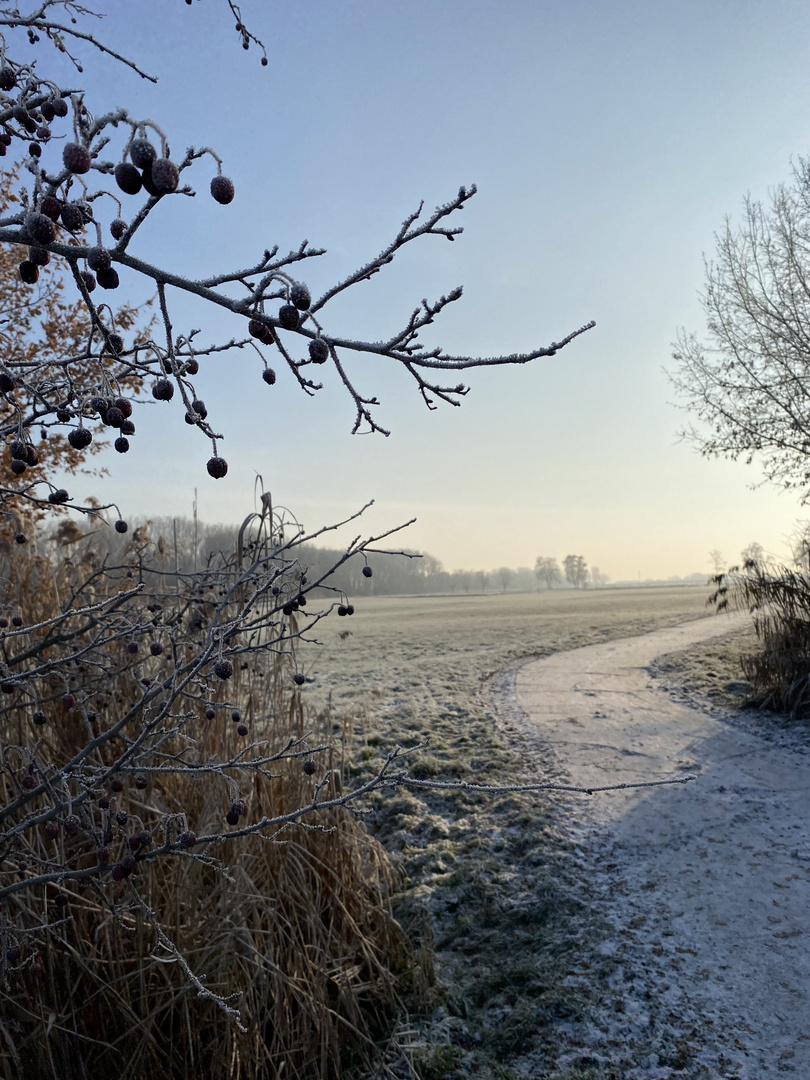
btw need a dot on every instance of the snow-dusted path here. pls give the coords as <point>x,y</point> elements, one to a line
<point>707,884</point>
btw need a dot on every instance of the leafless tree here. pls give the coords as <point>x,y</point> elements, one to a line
<point>505,575</point>
<point>717,559</point>
<point>576,571</point>
<point>548,570</point>
<point>747,383</point>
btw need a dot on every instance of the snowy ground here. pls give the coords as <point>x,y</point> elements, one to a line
<point>706,885</point>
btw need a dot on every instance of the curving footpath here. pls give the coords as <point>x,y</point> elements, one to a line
<point>706,885</point>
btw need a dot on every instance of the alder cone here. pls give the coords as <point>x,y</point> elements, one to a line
<point>117,228</point>
<point>288,317</point>
<point>148,183</point>
<point>72,217</point>
<point>29,272</point>
<point>165,176</point>
<point>77,158</point>
<point>261,331</point>
<point>88,279</point>
<point>79,438</point>
<point>163,390</point>
<point>223,669</point>
<point>8,78</point>
<point>217,467</point>
<point>142,153</point>
<point>318,351</point>
<point>51,207</point>
<point>98,258</point>
<point>269,376</point>
<point>300,296</point>
<point>222,189</point>
<point>128,178</point>
<point>71,824</point>
<point>108,279</point>
<point>40,228</point>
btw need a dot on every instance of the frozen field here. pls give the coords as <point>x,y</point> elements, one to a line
<point>498,881</point>
<point>421,660</point>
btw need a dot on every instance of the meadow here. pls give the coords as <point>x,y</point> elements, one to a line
<point>494,884</point>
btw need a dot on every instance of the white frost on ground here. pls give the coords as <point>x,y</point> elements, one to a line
<point>706,885</point>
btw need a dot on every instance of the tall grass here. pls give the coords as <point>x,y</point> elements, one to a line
<point>296,925</point>
<point>778,598</point>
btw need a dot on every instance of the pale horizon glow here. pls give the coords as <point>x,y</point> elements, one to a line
<point>608,142</point>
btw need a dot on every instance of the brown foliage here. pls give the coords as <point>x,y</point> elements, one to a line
<point>40,327</point>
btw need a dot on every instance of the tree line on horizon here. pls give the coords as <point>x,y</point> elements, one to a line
<point>185,546</point>
<point>575,573</point>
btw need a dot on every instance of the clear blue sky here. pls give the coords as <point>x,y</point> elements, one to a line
<point>608,141</point>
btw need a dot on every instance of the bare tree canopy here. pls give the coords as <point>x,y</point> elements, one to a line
<point>747,383</point>
<point>718,560</point>
<point>547,569</point>
<point>576,571</point>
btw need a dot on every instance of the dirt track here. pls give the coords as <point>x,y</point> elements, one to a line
<point>707,884</point>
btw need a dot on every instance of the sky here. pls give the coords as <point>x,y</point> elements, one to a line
<point>608,143</point>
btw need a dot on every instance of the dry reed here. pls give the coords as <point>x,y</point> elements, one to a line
<point>297,925</point>
<point>779,600</point>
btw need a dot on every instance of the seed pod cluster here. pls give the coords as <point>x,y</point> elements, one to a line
<point>53,212</point>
